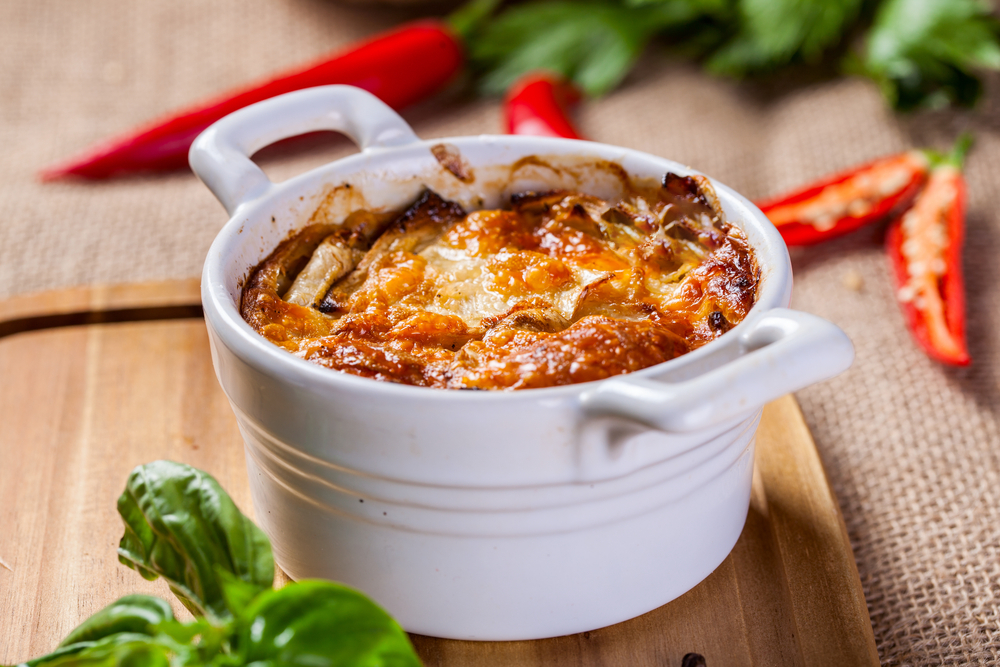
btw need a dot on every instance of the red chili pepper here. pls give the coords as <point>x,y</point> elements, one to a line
<point>849,200</point>
<point>538,105</point>
<point>925,248</point>
<point>401,67</point>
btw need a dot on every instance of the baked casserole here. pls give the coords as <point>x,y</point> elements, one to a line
<point>558,287</point>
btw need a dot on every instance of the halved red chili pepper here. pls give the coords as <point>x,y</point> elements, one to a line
<point>925,248</point>
<point>538,104</point>
<point>401,67</point>
<point>847,201</point>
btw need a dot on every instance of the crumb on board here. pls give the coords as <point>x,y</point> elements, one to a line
<point>853,280</point>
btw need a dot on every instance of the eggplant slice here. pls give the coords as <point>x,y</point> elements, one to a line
<point>415,228</point>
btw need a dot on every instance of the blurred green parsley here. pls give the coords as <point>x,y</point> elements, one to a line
<point>922,53</point>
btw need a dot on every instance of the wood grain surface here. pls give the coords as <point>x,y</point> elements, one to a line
<point>82,403</point>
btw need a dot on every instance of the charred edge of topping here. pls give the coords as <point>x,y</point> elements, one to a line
<point>718,321</point>
<point>528,199</point>
<point>358,232</point>
<point>684,187</point>
<point>691,190</point>
<point>327,305</point>
<point>429,205</point>
<point>450,158</point>
<point>616,215</point>
<point>749,282</point>
<point>682,231</point>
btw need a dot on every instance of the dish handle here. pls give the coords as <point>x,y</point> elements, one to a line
<point>220,156</point>
<point>780,352</point>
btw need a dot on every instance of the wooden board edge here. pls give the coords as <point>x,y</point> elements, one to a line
<point>93,304</point>
<point>823,551</point>
<point>96,298</point>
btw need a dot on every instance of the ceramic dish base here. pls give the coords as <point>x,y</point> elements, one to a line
<point>98,380</point>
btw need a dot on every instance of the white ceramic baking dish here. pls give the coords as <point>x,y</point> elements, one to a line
<point>488,515</point>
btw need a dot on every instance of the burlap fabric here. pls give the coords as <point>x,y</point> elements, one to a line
<point>912,449</point>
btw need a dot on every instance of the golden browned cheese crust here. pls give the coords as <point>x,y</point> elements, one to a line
<point>560,288</point>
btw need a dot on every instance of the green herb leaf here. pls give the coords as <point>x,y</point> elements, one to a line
<point>238,594</point>
<point>470,17</point>
<point>139,614</point>
<point>772,33</point>
<point>124,649</point>
<point>198,642</point>
<point>593,43</point>
<point>699,6</point>
<point>181,525</point>
<point>925,52</point>
<point>320,623</point>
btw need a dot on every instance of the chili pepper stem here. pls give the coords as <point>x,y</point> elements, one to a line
<point>956,157</point>
<point>953,158</point>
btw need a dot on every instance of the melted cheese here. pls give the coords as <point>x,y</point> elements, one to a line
<point>561,288</point>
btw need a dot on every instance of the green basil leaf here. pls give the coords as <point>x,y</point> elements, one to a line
<point>181,525</point>
<point>138,614</point>
<point>201,641</point>
<point>124,649</point>
<point>925,53</point>
<point>237,593</point>
<point>321,624</point>
<point>198,642</point>
<point>63,652</point>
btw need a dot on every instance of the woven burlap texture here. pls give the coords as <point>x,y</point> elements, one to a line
<point>912,449</point>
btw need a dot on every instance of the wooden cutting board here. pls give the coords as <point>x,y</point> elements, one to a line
<point>98,380</point>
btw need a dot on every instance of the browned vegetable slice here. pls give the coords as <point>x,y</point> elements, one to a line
<point>416,227</point>
<point>331,261</point>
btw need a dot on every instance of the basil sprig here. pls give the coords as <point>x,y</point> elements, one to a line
<point>181,525</point>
